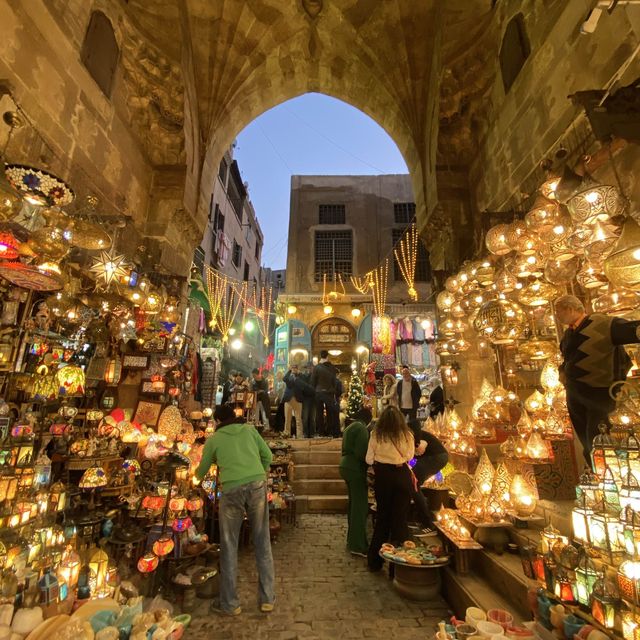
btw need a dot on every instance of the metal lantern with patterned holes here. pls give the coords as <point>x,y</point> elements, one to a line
<point>148,563</point>
<point>629,581</point>
<point>164,545</point>
<point>194,503</point>
<point>522,496</point>
<point>563,587</point>
<point>519,238</point>
<point>69,568</point>
<point>170,423</point>
<point>549,536</point>
<point>484,474</point>
<point>500,321</point>
<point>496,240</point>
<point>586,576</point>
<point>622,265</point>
<point>597,202</point>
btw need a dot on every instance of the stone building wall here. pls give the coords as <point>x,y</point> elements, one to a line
<point>524,126</point>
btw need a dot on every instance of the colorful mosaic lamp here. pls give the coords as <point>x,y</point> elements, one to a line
<point>605,601</point>
<point>93,478</point>
<point>586,576</point>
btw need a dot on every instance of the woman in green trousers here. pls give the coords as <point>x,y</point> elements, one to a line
<point>353,470</point>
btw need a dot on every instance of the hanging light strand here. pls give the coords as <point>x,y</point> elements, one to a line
<point>263,310</point>
<point>380,282</point>
<point>407,255</point>
<point>229,308</point>
<point>216,288</point>
<point>362,284</point>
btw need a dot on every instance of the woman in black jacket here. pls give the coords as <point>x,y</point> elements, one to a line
<point>431,457</point>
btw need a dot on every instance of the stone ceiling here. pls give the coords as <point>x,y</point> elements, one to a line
<point>387,58</point>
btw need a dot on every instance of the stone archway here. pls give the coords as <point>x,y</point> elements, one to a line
<point>240,58</point>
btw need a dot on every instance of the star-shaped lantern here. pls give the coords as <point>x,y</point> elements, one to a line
<point>109,267</point>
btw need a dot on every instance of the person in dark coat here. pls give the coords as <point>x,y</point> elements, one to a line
<point>226,387</point>
<point>408,392</point>
<point>431,457</point>
<point>436,401</point>
<point>593,359</point>
<point>324,380</point>
<point>308,403</point>
<point>261,389</point>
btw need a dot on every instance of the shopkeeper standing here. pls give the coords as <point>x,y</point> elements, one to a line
<point>594,359</point>
<point>408,393</point>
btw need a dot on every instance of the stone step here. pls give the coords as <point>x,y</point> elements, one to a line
<point>321,504</point>
<point>311,444</point>
<point>316,457</point>
<point>317,472</point>
<point>315,486</point>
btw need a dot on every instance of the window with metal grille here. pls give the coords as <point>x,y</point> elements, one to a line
<point>331,214</point>
<point>236,257</point>
<point>198,259</point>
<point>257,254</point>
<point>222,172</point>
<point>100,51</point>
<point>404,212</point>
<point>514,51</point>
<point>218,219</point>
<point>333,254</point>
<point>423,268</point>
<point>246,271</point>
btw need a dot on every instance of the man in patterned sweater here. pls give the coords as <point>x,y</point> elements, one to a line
<point>594,359</point>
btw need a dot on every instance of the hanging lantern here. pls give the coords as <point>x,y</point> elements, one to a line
<point>522,497</point>
<point>70,381</point>
<point>8,246</point>
<point>177,503</point>
<point>561,272</point>
<point>500,321</point>
<point>164,545</point>
<point>606,533</point>
<point>591,277</point>
<point>496,240</point>
<point>598,202</point>
<point>69,567</point>
<point>153,502</point>
<point>520,239</point>
<point>622,265</point>
<point>113,371</point>
<point>194,503</point>
<point>537,349</point>
<point>616,301</point>
<point>445,300</point>
<point>528,265</point>
<point>58,497</point>
<point>98,564</point>
<point>564,588</point>
<point>586,576</point>
<point>181,523</point>
<point>148,563</point>
<point>549,536</point>
<point>605,600</point>
<point>505,281</point>
<point>537,293</point>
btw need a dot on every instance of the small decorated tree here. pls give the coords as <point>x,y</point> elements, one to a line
<point>356,396</point>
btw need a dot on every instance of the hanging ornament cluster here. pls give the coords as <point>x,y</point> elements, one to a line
<point>406,254</point>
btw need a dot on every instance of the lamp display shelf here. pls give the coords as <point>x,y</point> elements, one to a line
<point>469,545</point>
<point>480,524</point>
<point>81,464</point>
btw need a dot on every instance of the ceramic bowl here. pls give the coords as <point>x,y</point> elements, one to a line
<point>572,625</point>
<point>465,631</point>
<point>501,617</point>
<point>488,629</point>
<point>474,615</point>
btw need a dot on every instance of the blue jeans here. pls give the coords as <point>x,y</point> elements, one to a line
<point>252,498</point>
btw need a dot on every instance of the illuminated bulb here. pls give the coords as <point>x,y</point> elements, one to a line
<point>591,197</point>
<point>248,325</point>
<point>236,344</point>
<point>355,312</point>
<point>136,296</point>
<point>291,309</point>
<point>232,331</point>
<point>636,254</point>
<point>327,309</point>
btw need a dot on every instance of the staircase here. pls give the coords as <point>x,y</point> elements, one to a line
<point>317,482</point>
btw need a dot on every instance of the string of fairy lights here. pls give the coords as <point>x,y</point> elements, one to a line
<point>227,295</point>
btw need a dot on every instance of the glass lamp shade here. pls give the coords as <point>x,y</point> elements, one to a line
<point>605,601</point>
<point>194,503</point>
<point>622,265</point>
<point>170,423</point>
<point>616,301</point>
<point>580,517</point>
<point>591,277</point>
<point>163,546</point>
<point>132,465</point>
<point>537,294</point>
<point>496,240</point>
<point>549,186</point>
<point>505,281</point>
<point>535,402</point>
<point>50,243</point>
<point>113,371</point>
<point>548,221</point>
<point>563,588</point>
<point>98,564</point>
<point>93,478</point>
<point>597,202</point>
<point>550,377</point>
<point>537,448</point>
<point>522,497</point>
<point>153,502</point>
<point>528,265</point>
<point>501,484</point>
<point>148,563</point>
<point>8,246</point>
<point>181,523</point>
<point>177,503</point>
<point>586,576</point>
<point>70,380</point>
<point>520,238</point>
<point>452,284</point>
<point>561,272</point>
<point>500,321</point>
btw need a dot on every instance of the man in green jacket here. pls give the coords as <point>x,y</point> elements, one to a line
<point>243,459</point>
<point>353,470</point>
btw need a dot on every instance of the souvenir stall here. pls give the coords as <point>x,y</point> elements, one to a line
<point>100,427</point>
<point>511,443</point>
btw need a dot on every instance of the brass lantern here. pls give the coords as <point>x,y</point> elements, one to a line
<point>622,265</point>
<point>616,301</point>
<point>590,277</point>
<point>559,272</point>
<point>520,238</point>
<point>537,293</point>
<point>501,321</point>
<point>597,202</point>
<point>600,242</point>
<point>496,240</point>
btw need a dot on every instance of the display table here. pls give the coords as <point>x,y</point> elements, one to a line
<point>419,582</point>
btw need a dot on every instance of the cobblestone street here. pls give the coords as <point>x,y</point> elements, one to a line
<point>322,592</point>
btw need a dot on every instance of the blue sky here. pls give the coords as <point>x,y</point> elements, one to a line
<point>312,134</point>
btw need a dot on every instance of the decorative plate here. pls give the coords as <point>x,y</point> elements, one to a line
<point>28,277</point>
<point>39,186</point>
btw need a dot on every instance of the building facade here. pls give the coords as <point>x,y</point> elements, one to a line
<point>343,227</point>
